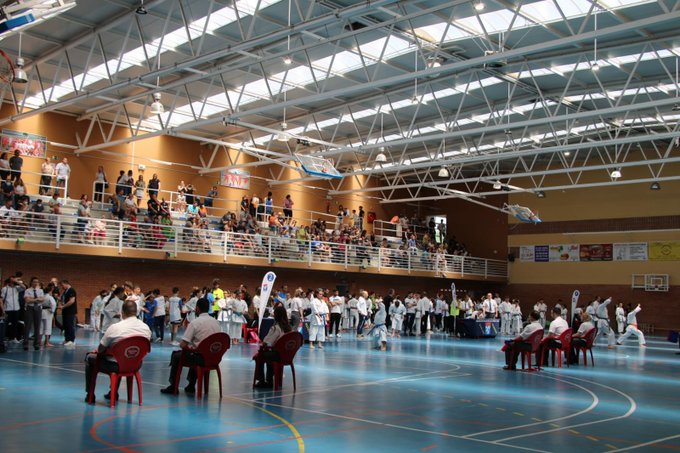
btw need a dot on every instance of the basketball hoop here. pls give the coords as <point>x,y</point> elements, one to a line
<point>6,70</point>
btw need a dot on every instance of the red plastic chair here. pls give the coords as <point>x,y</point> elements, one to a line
<point>129,354</point>
<point>534,340</point>
<point>565,341</point>
<point>589,336</point>
<point>212,349</point>
<point>287,346</point>
<point>250,334</point>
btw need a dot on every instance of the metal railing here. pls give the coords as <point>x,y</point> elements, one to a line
<point>26,226</point>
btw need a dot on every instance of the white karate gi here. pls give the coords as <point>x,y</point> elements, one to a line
<point>603,327</point>
<point>317,331</point>
<point>620,319</point>
<point>397,316</point>
<point>632,328</point>
<point>236,320</point>
<point>506,317</point>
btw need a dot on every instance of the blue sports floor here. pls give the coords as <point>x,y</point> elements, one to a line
<point>424,394</point>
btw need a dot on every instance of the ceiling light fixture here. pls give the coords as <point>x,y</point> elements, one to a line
<point>497,185</point>
<point>381,158</point>
<point>540,194</point>
<point>19,72</point>
<point>141,10</point>
<point>616,174</point>
<point>156,106</point>
<point>443,172</point>
<point>567,153</point>
<point>434,62</point>
<point>287,60</point>
<point>479,6</point>
<point>655,186</point>
<point>283,135</point>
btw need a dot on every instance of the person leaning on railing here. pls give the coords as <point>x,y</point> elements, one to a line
<point>46,174</point>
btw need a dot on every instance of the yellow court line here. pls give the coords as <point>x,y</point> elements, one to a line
<point>594,439</point>
<point>289,425</point>
<point>573,431</point>
<point>536,419</point>
<point>519,413</point>
<point>610,446</point>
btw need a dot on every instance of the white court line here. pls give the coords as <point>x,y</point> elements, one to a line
<point>389,425</point>
<point>354,384</point>
<point>631,401</point>
<point>646,444</point>
<point>595,401</point>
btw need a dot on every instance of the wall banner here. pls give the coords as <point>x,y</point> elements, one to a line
<point>564,252</point>
<point>526,253</point>
<point>541,254</point>
<point>596,252</point>
<point>29,145</point>
<point>633,251</point>
<point>664,251</point>
<point>236,179</point>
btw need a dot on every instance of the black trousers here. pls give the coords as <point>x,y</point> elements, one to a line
<point>513,351</point>
<point>105,366</point>
<point>408,325</point>
<point>423,322</point>
<point>159,326</point>
<point>266,358</point>
<point>545,347</point>
<point>12,322</point>
<point>575,342</point>
<point>360,327</point>
<point>191,359</point>
<point>69,321</point>
<point>335,321</point>
<point>32,318</point>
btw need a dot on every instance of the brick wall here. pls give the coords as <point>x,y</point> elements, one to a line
<point>659,308</point>
<point>89,275</point>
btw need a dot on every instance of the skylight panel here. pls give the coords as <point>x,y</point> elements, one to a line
<point>440,32</point>
<point>171,41</point>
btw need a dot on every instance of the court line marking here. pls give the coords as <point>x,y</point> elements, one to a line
<point>646,444</point>
<point>631,410</point>
<point>289,425</point>
<point>389,425</point>
<point>594,402</point>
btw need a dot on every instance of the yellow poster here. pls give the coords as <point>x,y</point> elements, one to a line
<point>664,251</point>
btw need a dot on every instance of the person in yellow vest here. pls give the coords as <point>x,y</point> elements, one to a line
<point>454,312</point>
<point>218,295</point>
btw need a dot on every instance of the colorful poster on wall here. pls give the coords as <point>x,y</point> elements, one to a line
<point>526,253</point>
<point>596,252</point>
<point>29,145</point>
<point>236,179</point>
<point>664,251</point>
<point>541,254</point>
<point>564,252</point>
<point>631,251</point>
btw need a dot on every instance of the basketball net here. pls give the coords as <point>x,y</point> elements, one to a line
<point>6,70</point>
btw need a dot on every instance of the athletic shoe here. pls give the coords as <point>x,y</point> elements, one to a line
<point>69,345</point>
<point>189,389</point>
<point>338,336</point>
<point>108,396</point>
<point>174,343</point>
<point>169,390</point>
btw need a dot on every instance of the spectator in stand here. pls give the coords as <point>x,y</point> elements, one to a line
<point>288,207</point>
<point>208,199</point>
<point>9,305</point>
<point>19,192</point>
<point>254,205</point>
<point>100,184</point>
<point>46,174</point>
<point>121,181</point>
<point>7,190</point>
<point>268,205</point>
<point>129,182</point>
<point>140,186</point>
<point>361,217</point>
<point>189,194</point>
<point>154,185</point>
<point>15,164</point>
<point>63,171</point>
<point>4,166</point>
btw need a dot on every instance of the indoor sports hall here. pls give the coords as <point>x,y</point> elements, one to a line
<point>334,225</point>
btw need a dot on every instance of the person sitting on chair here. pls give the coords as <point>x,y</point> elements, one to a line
<point>513,347</point>
<point>266,355</point>
<point>578,339</point>
<point>202,327</point>
<point>130,326</point>
<point>557,326</point>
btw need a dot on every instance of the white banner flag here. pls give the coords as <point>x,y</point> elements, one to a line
<point>265,291</point>
<point>574,302</point>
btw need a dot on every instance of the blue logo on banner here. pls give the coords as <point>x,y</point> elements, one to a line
<point>487,328</point>
<point>270,277</point>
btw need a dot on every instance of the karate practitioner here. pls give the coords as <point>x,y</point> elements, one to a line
<point>633,329</point>
<point>620,318</point>
<point>238,307</point>
<point>379,329</point>
<point>353,320</point>
<point>603,326</point>
<point>541,308</point>
<point>362,310</point>
<point>516,313</point>
<point>397,312</point>
<point>506,316</point>
<point>317,329</point>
